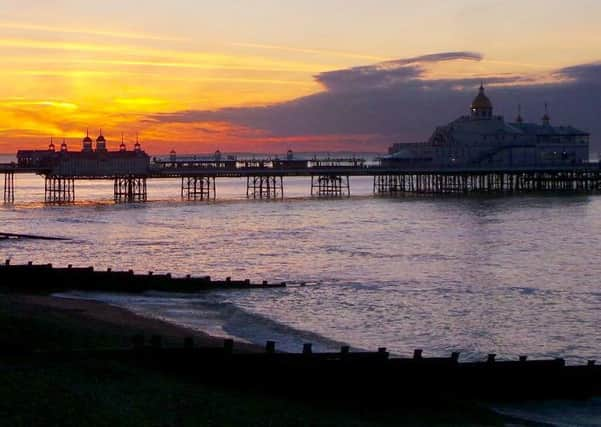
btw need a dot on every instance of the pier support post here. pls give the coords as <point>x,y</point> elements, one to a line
<point>130,189</point>
<point>330,186</point>
<point>9,187</point>
<point>265,187</point>
<point>387,184</point>
<point>59,189</point>
<point>198,188</point>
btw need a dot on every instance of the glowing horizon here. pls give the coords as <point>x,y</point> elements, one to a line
<point>125,68</point>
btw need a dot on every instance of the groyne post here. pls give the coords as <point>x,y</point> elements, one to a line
<point>156,342</point>
<point>138,341</point>
<point>228,346</point>
<point>307,349</point>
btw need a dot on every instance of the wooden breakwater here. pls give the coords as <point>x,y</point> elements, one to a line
<point>47,278</point>
<point>365,377</point>
<point>376,376</point>
<point>14,236</point>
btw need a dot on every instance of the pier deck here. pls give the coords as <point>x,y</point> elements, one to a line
<point>265,179</point>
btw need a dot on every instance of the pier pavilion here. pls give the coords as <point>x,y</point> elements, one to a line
<point>483,140</point>
<point>128,168</point>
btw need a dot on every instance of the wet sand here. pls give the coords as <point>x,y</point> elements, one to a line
<point>107,319</point>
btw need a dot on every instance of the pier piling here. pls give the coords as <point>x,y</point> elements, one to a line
<point>130,189</point>
<point>59,189</point>
<point>330,185</point>
<point>198,188</point>
<point>481,181</point>
<point>264,187</point>
<point>9,187</point>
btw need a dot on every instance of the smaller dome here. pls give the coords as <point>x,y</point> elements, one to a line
<point>100,139</point>
<point>481,101</point>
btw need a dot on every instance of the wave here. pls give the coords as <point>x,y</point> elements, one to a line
<point>554,413</point>
<point>209,313</point>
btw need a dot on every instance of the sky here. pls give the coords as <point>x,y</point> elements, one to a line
<point>268,76</point>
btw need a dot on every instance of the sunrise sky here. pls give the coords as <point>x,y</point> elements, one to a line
<point>269,75</point>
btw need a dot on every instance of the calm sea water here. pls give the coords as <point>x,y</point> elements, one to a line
<point>509,275</point>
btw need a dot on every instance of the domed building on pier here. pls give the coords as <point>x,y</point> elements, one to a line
<point>483,140</point>
<point>90,162</point>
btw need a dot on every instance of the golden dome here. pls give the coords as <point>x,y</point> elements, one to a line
<point>481,101</point>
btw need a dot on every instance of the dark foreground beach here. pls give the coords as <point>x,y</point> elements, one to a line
<point>111,392</point>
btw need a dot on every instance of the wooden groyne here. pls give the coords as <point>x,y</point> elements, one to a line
<point>365,377</point>
<point>47,278</point>
<point>15,236</point>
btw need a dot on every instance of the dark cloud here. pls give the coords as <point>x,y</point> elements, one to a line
<point>386,74</point>
<point>584,72</point>
<point>396,102</point>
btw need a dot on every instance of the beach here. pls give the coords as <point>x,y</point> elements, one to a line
<point>104,392</point>
<point>107,320</point>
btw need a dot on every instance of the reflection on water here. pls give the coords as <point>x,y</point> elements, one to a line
<point>511,275</point>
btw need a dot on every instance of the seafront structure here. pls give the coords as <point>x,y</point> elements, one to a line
<point>484,140</point>
<point>128,168</point>
<point>475,153</point>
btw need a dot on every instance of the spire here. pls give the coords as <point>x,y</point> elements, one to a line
<point>519,118</point>
<point>137,147</point>
<point>546,118</point>
<point>122,146</point>
<point>51,147</point>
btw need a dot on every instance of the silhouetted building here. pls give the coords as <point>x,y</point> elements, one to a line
<point>484,140</point>
<point>87,162</point>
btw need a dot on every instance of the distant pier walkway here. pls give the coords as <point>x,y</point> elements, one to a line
<point>329,177</point>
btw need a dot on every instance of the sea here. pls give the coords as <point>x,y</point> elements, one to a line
<point>506,274</point>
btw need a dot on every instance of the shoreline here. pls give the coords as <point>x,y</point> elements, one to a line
<point>46,321</point>
<point>102,317</point>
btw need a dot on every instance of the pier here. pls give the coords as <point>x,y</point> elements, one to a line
<point>265,178</point>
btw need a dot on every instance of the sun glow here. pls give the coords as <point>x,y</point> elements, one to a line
<point>67,66</point>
